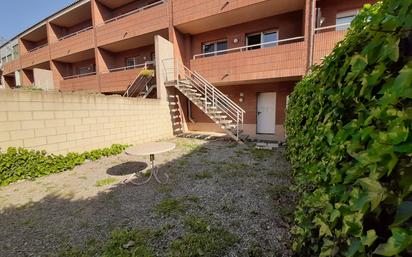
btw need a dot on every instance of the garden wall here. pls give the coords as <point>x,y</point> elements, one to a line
<point>74,122</point>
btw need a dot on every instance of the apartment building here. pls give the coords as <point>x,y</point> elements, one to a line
<point>231,63</point>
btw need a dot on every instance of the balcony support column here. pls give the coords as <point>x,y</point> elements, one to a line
<point>97,19</point>
<point>310,19</point>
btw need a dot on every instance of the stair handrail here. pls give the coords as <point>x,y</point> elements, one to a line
<point>210,92</point>
<point>131,87</point>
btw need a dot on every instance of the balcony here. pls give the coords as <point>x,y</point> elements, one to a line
<point>73,43</point>
<point>84,82</point>
<point>35,56</point>
<point>119,79</point>
<point>272,61</point>
<point>198,16</point>
<point>326,39</point>
<point>150,18</point>
<point>11,66</point>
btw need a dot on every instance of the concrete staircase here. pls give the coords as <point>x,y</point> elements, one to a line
<point>217,106</point>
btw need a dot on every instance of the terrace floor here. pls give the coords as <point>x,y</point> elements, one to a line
<point>237,188</point>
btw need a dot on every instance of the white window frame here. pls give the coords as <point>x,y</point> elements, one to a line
<point>215,45</point>
<point>262,33</point>
<point>345,14</point>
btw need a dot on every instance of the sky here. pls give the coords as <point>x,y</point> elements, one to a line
<point>19,15</point>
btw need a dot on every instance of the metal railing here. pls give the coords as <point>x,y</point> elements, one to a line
<point>248,47</point>
<point>37,48</point>
<point>76,33</point>
<point>135,11</point>
<point>139,84</point>
<point>332,27</point>
<point>209,94</point>
<point>79,75</point>
<point>130,67</point>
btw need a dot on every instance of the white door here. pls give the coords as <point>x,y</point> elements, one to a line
<point>266,113</point>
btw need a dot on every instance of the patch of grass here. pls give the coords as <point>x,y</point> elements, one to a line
<point>125,243</point>
<point>202,239</point>
<point>164,189</point>
<point>255,250</point>
<point>82,177</point>
<point>202,175</point>
<point>279,174</point>
<point>176,205</point>
<point>276,191</point>
<point>261,154</point>
<point>105,182</point>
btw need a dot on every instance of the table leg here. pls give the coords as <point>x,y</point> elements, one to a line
<point>155,171</point>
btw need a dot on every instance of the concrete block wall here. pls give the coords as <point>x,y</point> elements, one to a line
<point>75,122</point>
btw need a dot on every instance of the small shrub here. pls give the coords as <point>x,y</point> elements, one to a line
<point>349,127</point>
<point>19,163</point>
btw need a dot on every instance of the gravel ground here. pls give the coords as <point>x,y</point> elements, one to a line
<point>239,188</point>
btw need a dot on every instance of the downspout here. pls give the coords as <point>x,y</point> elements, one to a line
<point>189,112</point>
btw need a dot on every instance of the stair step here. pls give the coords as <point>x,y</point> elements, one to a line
<point>220,116</point>
<point>225,121</point>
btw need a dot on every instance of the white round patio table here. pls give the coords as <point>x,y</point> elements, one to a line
<point>150,149</point>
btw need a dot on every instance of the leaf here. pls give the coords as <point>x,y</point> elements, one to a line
<point>376,193</point>
<point>354,247</point>
<point>403,213</point>
<point>370,237</point>
<point>399,241</point>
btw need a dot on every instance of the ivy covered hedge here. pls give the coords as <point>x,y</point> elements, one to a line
<point>19,163</point>
<point>349,128</point>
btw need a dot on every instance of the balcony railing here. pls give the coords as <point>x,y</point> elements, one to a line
<point>79,75</point>
<point>332,27</point>
<point>135,11</point>
<point>248,47</point>
<point>37,48</point>
<point>130,67</point>
<point>76,33</point>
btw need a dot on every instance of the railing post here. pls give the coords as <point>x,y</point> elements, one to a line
<point>206,98</point>
<point>213,97</point>
<point>237,124</point>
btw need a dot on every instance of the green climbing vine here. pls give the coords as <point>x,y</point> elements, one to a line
<point>349,128</point>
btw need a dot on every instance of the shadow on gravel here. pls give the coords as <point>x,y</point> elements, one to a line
<point>127,168</point>
<point>229,183</point>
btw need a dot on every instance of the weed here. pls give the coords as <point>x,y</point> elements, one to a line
<point>276,191</point>
<point>105,182</point>
<point>202,239</point>
<point>82,177</point>
<point>164,189</point>
<point>255,250</point>
<point>176,205</point>
<point>261,154</point>
<point>125,243</point>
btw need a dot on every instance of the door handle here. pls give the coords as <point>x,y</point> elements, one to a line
<point>259,113</point>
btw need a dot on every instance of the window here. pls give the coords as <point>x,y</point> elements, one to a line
<point>15,51</point>
<point>86,70</point>
<point>262,40</point>
<point>210,49</point>
<point>3,60</point>
<point>9,58</point>
<point>131,62</point>
<point>346,17</point>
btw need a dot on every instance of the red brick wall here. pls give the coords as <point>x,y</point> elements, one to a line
<point>249,103</point>
<point>289,25</point>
